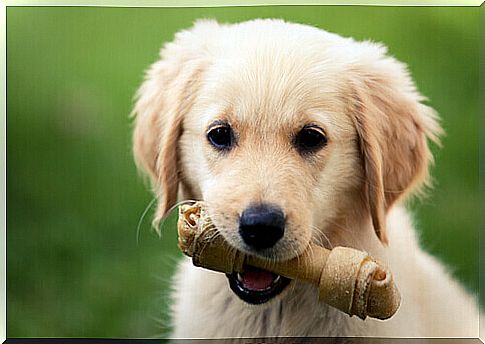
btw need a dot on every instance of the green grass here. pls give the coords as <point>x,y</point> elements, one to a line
<point>74,197</point>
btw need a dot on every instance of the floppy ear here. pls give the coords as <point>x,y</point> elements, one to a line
<point>162,102</point>
<point>393,128</point>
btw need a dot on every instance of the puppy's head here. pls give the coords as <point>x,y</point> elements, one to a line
<point>288,133</point>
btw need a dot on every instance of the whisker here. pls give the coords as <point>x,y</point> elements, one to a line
<point>325,236</point>
<point>158,223</point>
<point>182,202</point>
<point>147,208</point>
<point>356,240</point>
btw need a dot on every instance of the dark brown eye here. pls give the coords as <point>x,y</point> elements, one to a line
<point>310,139</point>
<point>221,137</point>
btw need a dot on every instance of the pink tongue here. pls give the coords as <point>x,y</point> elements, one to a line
<point>256,279</point>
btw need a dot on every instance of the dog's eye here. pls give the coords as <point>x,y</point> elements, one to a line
<point>310,139</point>
<point>221,137</point>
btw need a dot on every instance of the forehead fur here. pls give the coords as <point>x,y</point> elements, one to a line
<point>284,71</point>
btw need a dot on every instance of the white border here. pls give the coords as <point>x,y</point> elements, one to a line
<point>147,3</point>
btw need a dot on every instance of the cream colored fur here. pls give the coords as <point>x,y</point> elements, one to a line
<point>268,78</point>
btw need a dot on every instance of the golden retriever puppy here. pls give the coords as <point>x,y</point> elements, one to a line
<point>291,134</point>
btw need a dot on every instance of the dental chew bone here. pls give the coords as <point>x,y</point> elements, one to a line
<point>347,279</point>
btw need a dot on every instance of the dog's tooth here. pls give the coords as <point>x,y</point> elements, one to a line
<point>277,279</point>
<point>239,277</point>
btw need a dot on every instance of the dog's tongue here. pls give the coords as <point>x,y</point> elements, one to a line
<point>257,279</point>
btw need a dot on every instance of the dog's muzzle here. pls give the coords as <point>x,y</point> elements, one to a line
<point>261,226</point>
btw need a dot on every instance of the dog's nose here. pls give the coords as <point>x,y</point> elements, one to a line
<point>261,226</point>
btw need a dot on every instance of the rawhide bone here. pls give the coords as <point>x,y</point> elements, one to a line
<point>348,279</point>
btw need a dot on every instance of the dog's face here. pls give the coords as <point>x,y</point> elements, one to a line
<point>288,133</point>
<point>278,153</point>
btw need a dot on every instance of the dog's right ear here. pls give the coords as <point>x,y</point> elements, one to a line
<point>393,127</point>
<point>162,101</point>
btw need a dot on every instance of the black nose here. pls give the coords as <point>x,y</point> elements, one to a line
<point>261,226</point>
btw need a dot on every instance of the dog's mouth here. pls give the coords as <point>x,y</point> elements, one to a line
<point>256,286</point>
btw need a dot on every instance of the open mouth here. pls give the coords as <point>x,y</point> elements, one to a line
<point>256,286</point>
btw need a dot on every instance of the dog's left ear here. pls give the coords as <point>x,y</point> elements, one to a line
<point>393,128</point>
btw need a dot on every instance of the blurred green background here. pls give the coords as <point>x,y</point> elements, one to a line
<point>75,268</point>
